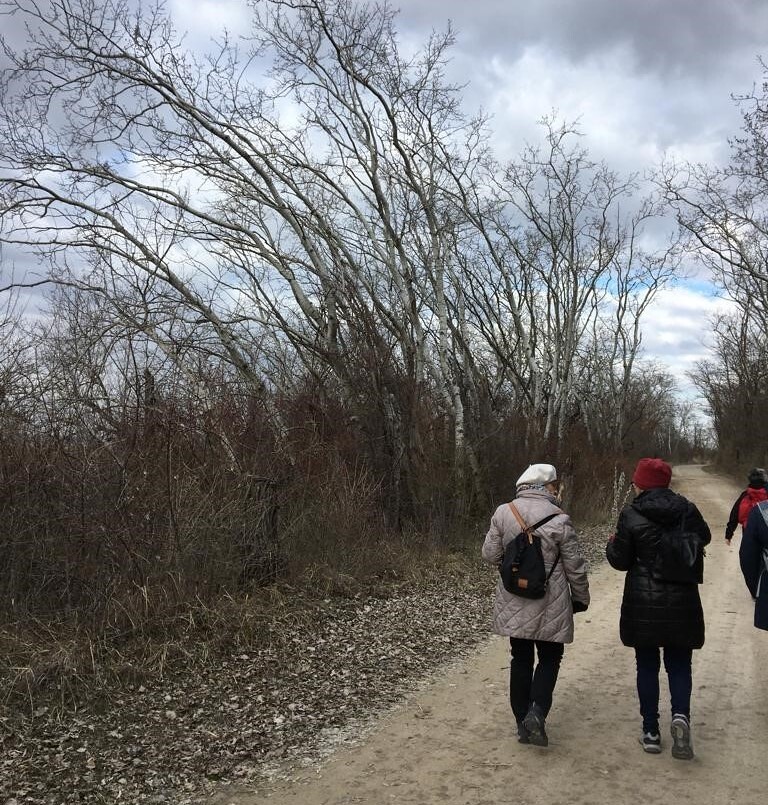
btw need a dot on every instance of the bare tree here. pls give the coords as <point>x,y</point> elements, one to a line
<point>724,213</point>
<point>181,181</point>
<point>724,210</point>
<point>558,261</point>
<point>314,205</point>
<point>733,383</point>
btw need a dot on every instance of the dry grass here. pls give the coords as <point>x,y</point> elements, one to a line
<point>217,691</point>
<point>153,632</point>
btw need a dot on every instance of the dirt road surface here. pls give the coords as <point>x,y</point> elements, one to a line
<point>454,741</point>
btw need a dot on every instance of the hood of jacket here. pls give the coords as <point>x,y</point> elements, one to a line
<point>756,495</point>
<point>661,506</point>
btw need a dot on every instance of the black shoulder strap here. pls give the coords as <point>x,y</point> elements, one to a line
<point>554,565</point>
<point>543,520</point>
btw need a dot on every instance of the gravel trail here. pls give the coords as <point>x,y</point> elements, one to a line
<point>453,741</point>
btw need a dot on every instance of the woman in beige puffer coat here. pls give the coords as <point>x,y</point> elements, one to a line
<point>542,624</point>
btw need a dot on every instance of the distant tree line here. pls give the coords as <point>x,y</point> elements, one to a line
<point>290,279</point>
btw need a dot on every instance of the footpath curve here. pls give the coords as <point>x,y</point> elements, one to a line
<point>454,741</point>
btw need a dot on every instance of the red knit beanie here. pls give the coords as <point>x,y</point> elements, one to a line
<point>651,473</point>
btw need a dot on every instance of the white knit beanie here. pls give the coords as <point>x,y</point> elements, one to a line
<point>538,475</point>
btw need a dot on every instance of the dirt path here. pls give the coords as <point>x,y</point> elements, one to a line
<point>455,742</point>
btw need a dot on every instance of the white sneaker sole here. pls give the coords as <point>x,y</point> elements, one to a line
<point>681,741</point>
<point>651,749</point>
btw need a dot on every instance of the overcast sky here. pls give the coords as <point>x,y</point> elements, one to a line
<point>643,78</point>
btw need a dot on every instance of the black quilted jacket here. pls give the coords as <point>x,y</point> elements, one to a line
<point>653,612</point>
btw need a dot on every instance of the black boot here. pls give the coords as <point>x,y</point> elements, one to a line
<point>534,724</point>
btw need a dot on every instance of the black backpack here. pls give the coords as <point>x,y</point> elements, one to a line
<point>679,556</point>
<point>522,567</point>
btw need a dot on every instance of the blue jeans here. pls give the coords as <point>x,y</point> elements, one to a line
<point>528,685</point>
<point>677,663</point>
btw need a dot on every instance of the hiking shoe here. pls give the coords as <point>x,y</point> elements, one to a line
<point>534,724</point>
<point>522,734</point>
<point>651,742</point>
<point>681,737</point>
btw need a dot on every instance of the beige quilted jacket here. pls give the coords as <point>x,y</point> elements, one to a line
<point>551,617</point>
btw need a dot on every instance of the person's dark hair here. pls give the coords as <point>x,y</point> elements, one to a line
<point>756,478</point>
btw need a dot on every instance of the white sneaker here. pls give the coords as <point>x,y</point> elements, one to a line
<point>682,747</point>
<point>651,742</point>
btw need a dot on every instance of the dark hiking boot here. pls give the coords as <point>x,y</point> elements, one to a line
<point>522,734</point>
<point>534,723</point>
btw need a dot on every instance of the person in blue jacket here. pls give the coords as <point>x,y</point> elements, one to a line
<point>753,557</point>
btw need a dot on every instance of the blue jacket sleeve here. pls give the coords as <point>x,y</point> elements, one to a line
<point>751,551</point>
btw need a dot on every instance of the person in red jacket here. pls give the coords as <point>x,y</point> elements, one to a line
<point>754,493</point>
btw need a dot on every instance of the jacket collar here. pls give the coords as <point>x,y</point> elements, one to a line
<point>535,492</point>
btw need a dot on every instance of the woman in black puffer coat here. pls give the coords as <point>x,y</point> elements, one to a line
<point>658,614</point>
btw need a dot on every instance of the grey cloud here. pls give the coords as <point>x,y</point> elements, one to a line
<point>683,37</point>
<point>681,61</point>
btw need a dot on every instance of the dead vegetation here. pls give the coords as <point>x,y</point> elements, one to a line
<point>232,693</point>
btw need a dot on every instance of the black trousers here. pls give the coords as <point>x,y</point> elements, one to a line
<point>529,684</point>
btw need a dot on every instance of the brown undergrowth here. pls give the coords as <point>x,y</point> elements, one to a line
<point>220,693</point>
<point>58,664</point>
